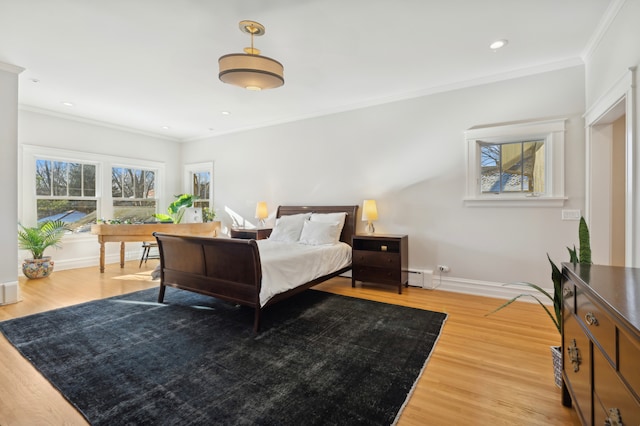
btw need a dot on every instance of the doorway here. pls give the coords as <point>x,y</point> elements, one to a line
<point>611,195</point>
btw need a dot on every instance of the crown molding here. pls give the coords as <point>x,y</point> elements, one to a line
<point>93,122</point>
<point>10,68</point>
<point>602,28</point>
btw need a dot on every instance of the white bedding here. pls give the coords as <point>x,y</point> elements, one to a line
<point>286,265</point>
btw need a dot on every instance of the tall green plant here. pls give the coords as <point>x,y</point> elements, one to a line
<point>38,238</point>
<point>176,209</point>
<point>583,256</point>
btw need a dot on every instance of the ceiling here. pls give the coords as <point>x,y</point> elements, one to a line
<point>151,65</point>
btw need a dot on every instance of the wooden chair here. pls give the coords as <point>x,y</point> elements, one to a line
<point>146,249</point>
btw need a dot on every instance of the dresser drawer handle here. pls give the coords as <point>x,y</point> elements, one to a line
<point>614,418</point>
<point>591,319</point>
<point>574,355</point>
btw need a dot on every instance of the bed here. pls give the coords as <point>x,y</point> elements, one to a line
<point>233,269</point>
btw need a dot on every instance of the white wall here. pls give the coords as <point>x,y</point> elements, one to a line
<point>8,176</point>
<point>616,51</point>
<point>41,130</point>
<point>410,157</point>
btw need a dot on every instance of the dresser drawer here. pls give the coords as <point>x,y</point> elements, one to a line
<point>569,295</point>
<point>598,323</point>
<point>377,259</point>
<point>629,360</point>
<point>610,393</point>
<point>376,275</point>
<point>576,346</point>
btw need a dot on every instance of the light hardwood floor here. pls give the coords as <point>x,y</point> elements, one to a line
<point>494,370</point>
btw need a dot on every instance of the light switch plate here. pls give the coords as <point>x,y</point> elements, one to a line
<point>570,214</point>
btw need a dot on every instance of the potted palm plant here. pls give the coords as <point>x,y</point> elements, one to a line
<point>583,255</point>
<point>36,239</point>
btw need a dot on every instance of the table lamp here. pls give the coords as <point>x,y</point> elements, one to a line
<point>369,214</point>
<point>261,212</point>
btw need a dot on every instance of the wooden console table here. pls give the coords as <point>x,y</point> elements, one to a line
<point>144,232</point>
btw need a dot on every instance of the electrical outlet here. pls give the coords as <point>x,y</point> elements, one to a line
<point>443,268</point>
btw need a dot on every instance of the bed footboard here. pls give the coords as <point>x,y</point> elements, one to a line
<point>227,269</point>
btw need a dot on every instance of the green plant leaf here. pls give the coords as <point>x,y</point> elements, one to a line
<point>585,244</point>
<point>163,217</point>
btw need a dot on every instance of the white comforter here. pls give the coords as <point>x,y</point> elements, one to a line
<point>288,265</point>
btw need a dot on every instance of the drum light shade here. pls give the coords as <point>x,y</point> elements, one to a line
<point>253,72</point>
<point>249,70</point>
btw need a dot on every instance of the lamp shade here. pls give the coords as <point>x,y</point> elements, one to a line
<point>369,210</point>
<point>261,210</point>
<point>253,72</point>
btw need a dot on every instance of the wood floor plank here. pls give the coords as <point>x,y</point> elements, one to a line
<point>494,370</point>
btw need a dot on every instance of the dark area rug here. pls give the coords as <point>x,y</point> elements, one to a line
<point>320,359</point>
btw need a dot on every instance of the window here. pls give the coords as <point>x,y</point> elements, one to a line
<point>198,180</point>
<point>133,194</point>
<point>66,191</point>
<point>75,186</point>
<point>201,188</point>
<point>512,167</point>
<point>517,164</point>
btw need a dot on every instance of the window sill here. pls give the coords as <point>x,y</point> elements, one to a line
<point>514,201</point>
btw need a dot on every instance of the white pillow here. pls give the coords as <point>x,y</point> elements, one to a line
<point>331,218</point>
<point>319,233</point>
<point>289,227</point>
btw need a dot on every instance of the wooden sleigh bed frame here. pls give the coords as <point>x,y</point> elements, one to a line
<point>230,269</point>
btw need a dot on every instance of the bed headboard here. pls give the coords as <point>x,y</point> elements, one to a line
<point>349,228</point>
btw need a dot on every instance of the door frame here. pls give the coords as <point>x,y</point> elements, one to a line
<point>619,95</point>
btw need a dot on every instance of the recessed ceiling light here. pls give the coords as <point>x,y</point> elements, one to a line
<point>166,127</point>
<point>498,44</point>
<point>35,80</point>
<point>67,104</point>
<point>226,113</point>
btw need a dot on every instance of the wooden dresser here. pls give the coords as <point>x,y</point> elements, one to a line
<point>601,343</point>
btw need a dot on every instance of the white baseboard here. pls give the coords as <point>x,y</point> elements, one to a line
<point>9,292</point>
<point>84,262</point>
<point>488,289</point>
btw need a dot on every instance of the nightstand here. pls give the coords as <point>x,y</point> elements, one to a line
<point>380,259</point>
<point>251,234</point>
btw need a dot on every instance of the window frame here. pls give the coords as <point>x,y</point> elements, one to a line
<point>552,132</point>
<point>27,204</point>
<point>190,170</point>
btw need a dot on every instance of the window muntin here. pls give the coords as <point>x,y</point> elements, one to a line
<point>512,167</point>
<point>66,190</point>
<point>133,194</point>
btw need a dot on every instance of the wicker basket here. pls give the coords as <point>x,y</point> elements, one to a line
<point>556,353</point>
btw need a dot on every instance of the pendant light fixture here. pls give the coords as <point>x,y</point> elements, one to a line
<point>250,70</point>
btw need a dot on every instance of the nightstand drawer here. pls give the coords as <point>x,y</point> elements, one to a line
<point>376,259</point>
<point>378,275</point>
